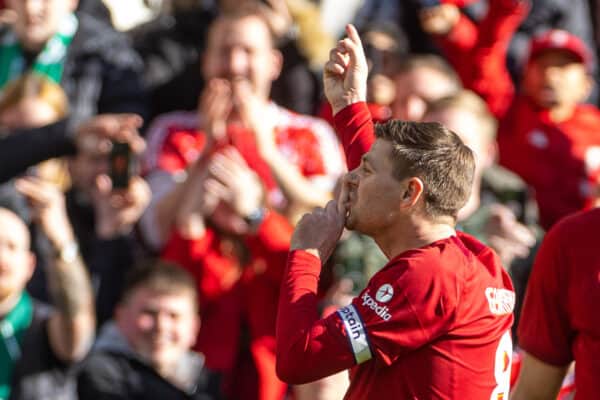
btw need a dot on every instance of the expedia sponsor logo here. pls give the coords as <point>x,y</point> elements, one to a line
<point>501,301</point>
<point>382,311</point>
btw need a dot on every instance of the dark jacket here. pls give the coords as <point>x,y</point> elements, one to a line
<point>102,72</point>
<point>20,150</point>
<point>113,371</point>
<point>170,47</point>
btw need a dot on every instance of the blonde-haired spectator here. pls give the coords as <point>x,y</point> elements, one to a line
<point>33,101</point>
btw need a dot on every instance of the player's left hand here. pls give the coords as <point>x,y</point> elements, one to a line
<point>319,231</point>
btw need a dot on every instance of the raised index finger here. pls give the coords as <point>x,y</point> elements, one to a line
<point>353,35</point>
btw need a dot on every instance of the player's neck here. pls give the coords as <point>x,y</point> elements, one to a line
<point>413,235</point>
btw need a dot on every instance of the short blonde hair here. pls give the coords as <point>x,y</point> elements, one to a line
<point>35,85</point>
<point>468,101</point>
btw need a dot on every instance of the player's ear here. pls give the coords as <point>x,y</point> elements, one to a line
<point>412,192</point>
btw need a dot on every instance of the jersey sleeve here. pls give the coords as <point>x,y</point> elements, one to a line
<point>308,348</point>
<point>544,328</point>
<point>355,129</point>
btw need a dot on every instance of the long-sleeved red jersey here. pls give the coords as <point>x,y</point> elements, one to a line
<point>433,323</point>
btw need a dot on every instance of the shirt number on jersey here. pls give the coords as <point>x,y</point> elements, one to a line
<point>502,364</point>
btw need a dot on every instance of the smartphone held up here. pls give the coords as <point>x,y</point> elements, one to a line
<point>122,165</point>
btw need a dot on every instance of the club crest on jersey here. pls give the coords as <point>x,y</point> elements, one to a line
<point>501,301</point>
<point>381,311</point>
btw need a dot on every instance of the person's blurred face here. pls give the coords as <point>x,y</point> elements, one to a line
<point>28,113</point>
<point>415,89</point>
<point>16,261</point>
<point>242,48</point>
<point>556,77</point>
<point>160,326</point>
<point>374,193</point>
<point>38,20</point>
<point>466,125</point>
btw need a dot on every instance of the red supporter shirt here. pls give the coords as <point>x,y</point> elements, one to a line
<point>561,161</point>
<point>433,323</point>
<point>175,141</point>
<point>560,320</point>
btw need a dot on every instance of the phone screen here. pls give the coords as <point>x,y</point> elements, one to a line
<point>121,165</point>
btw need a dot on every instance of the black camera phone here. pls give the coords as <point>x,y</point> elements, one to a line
<point>121,165</point>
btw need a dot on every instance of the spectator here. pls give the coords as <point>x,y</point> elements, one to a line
<point>235,247</point>
<point>33,101</point>
<point>94,64</point>
<point>172,47</point>
<point>301,153</point>
<point>546,135</point>
<point>103,217</point>
<point>572,16</point>
<point>40,344</point>
<point>145,353</point>
<point>421,79</point>
<point>436,318</point>
<point>559,323</point>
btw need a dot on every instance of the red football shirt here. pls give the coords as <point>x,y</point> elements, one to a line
<point>560,320</point>
<point>433,323</point>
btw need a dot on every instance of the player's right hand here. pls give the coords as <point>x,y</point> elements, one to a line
<point>319,231</point>
<point>345,73</point>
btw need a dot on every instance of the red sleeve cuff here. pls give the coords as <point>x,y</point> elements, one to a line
<point>303,261</point>
<point>351,117</point>
<point>356,131</point>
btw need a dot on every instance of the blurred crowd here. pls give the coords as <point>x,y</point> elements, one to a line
<point>156,154</point>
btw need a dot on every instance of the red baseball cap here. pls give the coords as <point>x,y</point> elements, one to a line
<point>558,39</point>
